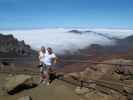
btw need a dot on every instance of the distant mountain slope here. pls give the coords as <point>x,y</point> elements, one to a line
<point>95,52</point>
<point>10,46</point>
<point>93,32</point>
<point>128,41</point>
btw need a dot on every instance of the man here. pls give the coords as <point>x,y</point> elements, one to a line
<point>49,61</point>
<point>49,58</point>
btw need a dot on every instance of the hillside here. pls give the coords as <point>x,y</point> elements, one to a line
<point>10,46</point>
<point>122,49</point>
<point>106,83</point>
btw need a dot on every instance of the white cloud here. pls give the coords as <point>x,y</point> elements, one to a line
<point>60,40</point>
<point>119,33</point>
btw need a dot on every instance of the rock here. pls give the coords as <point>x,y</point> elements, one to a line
<point>129,82</point>
<point>15,81</point>
<point>130,97</point>
<point>128,90</point>
<point>116,76</point>
<point>81,91</point>
<point>85,74</point>
<point>25,98</point>
<point>125,70</point>
<point>117,95</point>
<point>2,92</point>
<point>95,95</point>
<point>89,74</point>
<point>93,86</point>
<point>74,76</point>
<point>12,46</point>
<point>103,89</point>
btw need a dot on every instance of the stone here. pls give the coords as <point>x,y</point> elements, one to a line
<point>25,98</point>
<point>116,76</point>
<point>74,76</point>
<point>116,95</point>
<point>2,92</point>
<point>15,81</point>
<point>128,90</point>
<point>129,82</point>
<point>81,91</point>
<point>130,97</point>
<point>95,95</point>
<point>93,86</point>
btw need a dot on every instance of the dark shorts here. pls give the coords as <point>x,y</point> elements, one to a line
<point>45,67</point>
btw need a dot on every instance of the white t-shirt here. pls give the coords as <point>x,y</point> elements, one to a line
<point>48,59</point>
<point>41,56</point>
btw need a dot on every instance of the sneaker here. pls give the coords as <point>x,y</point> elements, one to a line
<point>44,82</point>
<point>40,81</point>
<point>48,83</point>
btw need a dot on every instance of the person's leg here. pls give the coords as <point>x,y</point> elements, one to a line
<point>45,77</point>
<point>52,75</point>
<point>41,77</point>
<point>42,74</point>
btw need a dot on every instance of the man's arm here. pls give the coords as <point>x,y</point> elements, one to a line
<point>55,59</point>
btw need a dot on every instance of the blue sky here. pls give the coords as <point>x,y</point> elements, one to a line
<point>65,13</point>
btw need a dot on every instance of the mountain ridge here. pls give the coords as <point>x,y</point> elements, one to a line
<point>93,32</point>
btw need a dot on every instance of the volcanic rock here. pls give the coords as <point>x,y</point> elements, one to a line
<point>17,81</point>
<point>81,91</point>
<point>11,46</point>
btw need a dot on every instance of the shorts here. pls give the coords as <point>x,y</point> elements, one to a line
<point>45,67</point>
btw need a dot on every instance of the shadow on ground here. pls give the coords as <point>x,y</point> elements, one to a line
<point>21,88</point>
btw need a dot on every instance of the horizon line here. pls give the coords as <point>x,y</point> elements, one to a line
<point>56,27</point>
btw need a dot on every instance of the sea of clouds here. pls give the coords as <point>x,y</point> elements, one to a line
<point>61,40</point>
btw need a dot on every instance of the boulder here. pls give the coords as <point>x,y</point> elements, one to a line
<point>74,76</point>
<point>16,81</point>
<point>128,90</point>
<point>116,76</point>
<point>89,74</point>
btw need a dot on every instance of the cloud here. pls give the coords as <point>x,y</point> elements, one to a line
<point>61,40</point>
<point>119,33</point>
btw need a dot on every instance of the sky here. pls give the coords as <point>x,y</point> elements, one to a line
<point>65,13</point>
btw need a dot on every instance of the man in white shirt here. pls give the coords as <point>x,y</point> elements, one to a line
<point>50,60</point>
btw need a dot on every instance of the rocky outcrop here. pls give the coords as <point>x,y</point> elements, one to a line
<point>106,81</point>
<point>17,82</point>
<point>105,71</point>
<point>12,47</point>
<point>91,94</point>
